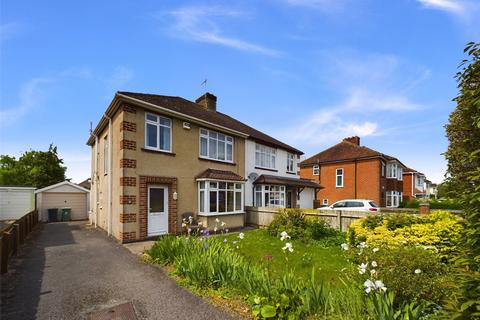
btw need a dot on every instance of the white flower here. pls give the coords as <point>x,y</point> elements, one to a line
<point>369,285</point>
<point>375,250</point>
<point>344,246</point>
<point>200,224</point>
<point>241,235</point>
<point>215,229</point>
<point>184,225</point>
<point>284,235</point>
<point>380,286</point>
<point>373,272</point>
<point>223,224</point>
<point>190,218</point>
<point>374,264</point>
<point>217,220</point>
<point>234,242</point>
<point>288,246</point>
<point>377,285</point>
<point>362,268</point>
<point>417,271</point>
<point>362,245</point>
<point>238,247</point>
<point>403,242</point>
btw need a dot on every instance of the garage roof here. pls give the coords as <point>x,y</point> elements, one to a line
<point>63,183</point>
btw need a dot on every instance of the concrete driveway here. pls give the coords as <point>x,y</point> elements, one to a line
<point>69,271</point>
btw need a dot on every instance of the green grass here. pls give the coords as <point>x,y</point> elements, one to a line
<point>328,260</point>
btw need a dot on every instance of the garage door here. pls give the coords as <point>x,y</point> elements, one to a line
<point>76,201</point>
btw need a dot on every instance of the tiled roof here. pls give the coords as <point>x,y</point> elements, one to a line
<point>295,182</point>
<point>195,110</point>
<point>215,174</point>
<point>344,151</point>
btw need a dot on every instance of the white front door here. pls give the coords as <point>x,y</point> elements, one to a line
<point>157,210</point>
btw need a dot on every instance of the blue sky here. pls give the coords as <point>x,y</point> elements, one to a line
<point>309,72</point>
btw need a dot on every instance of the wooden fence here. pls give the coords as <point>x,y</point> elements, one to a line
<point>338,219</point>
<point>14,235</point>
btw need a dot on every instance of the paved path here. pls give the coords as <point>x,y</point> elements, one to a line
<point>67,271</point>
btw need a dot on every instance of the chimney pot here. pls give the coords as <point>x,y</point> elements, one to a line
<point>354,140</point>
<point>208,101</point>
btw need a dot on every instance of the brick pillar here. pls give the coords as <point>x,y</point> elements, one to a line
<point>424,208</point>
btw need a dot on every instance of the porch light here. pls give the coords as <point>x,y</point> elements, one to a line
<point>175,195</point>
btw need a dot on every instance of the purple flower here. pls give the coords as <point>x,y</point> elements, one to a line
<point>205,246</point>
<point>226,230</point>
<point>224,240</point>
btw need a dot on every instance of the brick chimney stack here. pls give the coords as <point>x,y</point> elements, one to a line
<point>208,101</point>
<point>354,140</point>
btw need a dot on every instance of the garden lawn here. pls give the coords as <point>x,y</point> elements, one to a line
<point>260,247</point>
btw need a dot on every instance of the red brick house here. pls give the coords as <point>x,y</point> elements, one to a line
<point>348,170</point>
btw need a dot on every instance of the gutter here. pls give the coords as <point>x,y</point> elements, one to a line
<point>109,175</point>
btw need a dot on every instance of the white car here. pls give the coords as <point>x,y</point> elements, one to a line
<point>354,205</point>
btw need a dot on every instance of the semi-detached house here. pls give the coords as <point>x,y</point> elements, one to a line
<point>158,159</point>
<point>348,170</point>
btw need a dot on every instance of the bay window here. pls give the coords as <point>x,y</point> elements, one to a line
<point>158,132</point>
<point>394,198</point>
<point>290,162</point>
<point>219,197</point>
<point>265,156</point>
<point>269,196</point>
<point>216,145</point>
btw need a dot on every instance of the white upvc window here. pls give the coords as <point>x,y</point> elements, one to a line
<point>216,146</point>
<point>393,198</point>
<point>220,197</point>
<point>272,196</point>
<point>316,170</point>
<point>290,162</point>
<point>383,169</point>
<point>400,173</point>
<point>158,132</point>
<point>325,202</point>
<point>419,182</point>
<point>392,170</point>
<point>106,155</point>
<point>265,157</point>
<point>339,177</point>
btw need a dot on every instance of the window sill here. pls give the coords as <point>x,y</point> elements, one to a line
<point>219,214</point>
<point>290,172</point>
<point>266,169</point>
<point>168,153</point>
<point>217,161</point>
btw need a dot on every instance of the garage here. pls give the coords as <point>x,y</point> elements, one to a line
<point>63,195</point>
<point>16,201</point>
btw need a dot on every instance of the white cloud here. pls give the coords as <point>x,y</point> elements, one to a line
<point>120,76</point>
<point>200,24</point>
<point>453,6</point>
<point>30,94</point>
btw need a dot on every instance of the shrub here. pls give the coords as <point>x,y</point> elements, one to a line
<point>438,231</point>
<point>411,273</point>
<point>298,226</point>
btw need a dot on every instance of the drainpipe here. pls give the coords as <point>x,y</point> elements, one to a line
<point>95,181</point>
<point>355,178</point>
<point>109,175</point>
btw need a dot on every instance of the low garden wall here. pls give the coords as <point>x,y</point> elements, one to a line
<point>338,219</point>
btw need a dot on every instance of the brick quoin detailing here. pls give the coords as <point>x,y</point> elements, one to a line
<point>128,126</point>
<point>128,199</point>
<point>128,144</point>
<point>128,236</point>
<point>128,163</point>
<point>128,181</point>
<point>145,181</point>
<point>129,109</point>
<point>128,217</point>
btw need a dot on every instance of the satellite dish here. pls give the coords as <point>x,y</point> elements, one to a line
<point>253,176</point>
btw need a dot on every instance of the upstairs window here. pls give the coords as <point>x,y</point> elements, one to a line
<point>216,146</point>
<point>339,178</point>
<point>383,169</point>
<point>265,156</point>
<point>158,132</point>
<point>316,170</point>
<point>290,162</point>
<point>400,173</point>
<point>392,170</point>
<point>419,182</point>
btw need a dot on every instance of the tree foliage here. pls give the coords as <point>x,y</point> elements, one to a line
<point>34,168</point>
<point>463,156</point>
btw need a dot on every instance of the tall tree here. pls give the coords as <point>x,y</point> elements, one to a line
<point>34,168</point>
<point>463,156</point>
